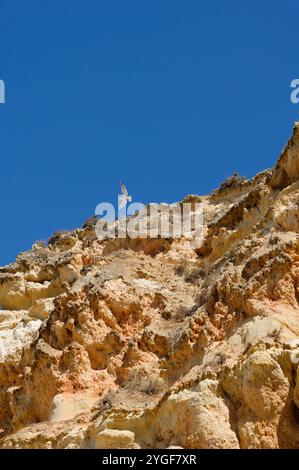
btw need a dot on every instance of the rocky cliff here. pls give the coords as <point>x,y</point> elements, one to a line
<point>152,343</point>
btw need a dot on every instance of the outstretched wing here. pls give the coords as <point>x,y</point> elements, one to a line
<point>123,189</point>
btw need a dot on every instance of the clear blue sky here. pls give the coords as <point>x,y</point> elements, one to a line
<point>170,96</point>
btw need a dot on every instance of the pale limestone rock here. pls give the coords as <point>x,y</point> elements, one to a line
<point>198,418</point>
<point>114,439</point>
<point>14,340</point>
<point>42,308</point>
<point>68,273</point>
<point>66,406</point>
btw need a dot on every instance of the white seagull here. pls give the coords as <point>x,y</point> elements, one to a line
<point>125,196</point>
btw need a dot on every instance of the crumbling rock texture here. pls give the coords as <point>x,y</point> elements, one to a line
<point>152,343</point>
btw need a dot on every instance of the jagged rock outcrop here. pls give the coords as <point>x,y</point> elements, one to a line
<point>153,343</point>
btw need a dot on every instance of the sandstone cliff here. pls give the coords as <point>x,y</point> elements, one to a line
<point>151,343</point>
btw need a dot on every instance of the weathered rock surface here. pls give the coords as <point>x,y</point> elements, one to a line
<point>153,343</point>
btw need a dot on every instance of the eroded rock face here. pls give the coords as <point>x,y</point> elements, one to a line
<point>152,343</point>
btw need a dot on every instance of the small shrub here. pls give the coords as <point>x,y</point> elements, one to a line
<point>232,182</point>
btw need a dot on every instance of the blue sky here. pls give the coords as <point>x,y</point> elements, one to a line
<point>170,96</point>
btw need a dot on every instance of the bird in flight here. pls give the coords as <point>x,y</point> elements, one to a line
<point>124,198</point>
